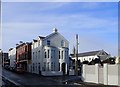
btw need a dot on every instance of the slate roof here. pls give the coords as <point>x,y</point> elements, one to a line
<point>41,37</point>
<point>50,35</point>
<point>91,53</point>
<point>34,40</point>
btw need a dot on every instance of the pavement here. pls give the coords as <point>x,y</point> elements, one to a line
<point>28,79</point>
<point>33,80</point>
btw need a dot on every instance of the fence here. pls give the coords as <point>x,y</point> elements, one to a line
<point>108,74</point>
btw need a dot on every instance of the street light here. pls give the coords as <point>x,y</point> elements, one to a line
<point>76,62</point>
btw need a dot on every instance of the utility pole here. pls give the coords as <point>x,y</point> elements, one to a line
<point>76,61</point>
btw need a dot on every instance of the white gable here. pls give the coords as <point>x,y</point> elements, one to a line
<point>56,40</point>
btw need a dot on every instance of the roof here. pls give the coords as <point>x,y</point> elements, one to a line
<point>55,32</point>
<point>19,45</point>
<point>91,53</point>
<point>41,37</point>
<point>22,44</point>
<point>10,49</point>
<point>52,34</point>
<point>34,40</point>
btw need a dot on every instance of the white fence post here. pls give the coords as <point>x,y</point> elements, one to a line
<point>105,70</point>
<point>97,73</point>
<point>118,74</point>
<point>84,73</point>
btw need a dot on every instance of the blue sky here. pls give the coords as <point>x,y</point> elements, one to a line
<point>96,23</point>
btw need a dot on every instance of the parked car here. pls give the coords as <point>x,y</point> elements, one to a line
<point>12,69</point>
<point>19,70</point>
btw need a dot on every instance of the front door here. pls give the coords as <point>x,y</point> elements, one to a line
<point>63,68</point>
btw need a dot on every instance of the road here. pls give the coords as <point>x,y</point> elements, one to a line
<point>33,80</point>
<point>6,83</point>
<point>28,79</point>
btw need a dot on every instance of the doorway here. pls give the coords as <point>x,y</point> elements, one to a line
<point>63,68</point>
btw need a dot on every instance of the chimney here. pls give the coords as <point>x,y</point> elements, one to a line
<point>20,42</point>
<point>54,30</point>
<point>17,45</point>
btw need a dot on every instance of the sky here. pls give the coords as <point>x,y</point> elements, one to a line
<point>96,23</point>
<point>60,0</point>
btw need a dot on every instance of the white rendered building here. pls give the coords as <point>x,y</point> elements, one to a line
<point>50,55</point>
<point>12,57</point>
<point>89,56</point>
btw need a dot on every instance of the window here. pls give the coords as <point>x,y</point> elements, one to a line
<point>62,43</point>
<point>62,54</point>
<point>51,53</point>
<point>59,54</point>
<point>44,66</point>
<point>45,55</point>
<point>54,66</point>
<point>59,67</point>
<point>39,66</point>
<point>48,53</point>
<point>33,55</point>
<point>48,42</point>
<point>48,66</point>
<point>51,66</point>
<point>33,66</point>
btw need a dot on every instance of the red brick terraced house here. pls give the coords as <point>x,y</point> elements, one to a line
<point>23,56</point>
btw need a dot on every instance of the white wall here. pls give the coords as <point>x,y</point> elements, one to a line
<point>90,73</point>
<point>113,74</point>
<point>56,41</point>
<point>110,74</point>
<point>12,57</point>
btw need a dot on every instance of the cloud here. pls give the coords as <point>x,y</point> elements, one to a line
<point>79,21</point>
<point>82,24</point>
<point>94,32</point>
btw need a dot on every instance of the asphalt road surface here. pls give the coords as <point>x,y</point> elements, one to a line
<point>33,80</point>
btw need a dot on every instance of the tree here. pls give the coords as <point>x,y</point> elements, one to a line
<point>95,61</point>
<point>86,62</point>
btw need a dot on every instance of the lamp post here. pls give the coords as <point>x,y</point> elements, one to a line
<point>76,61</point>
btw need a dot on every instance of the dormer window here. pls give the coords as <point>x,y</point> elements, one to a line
<point>48,42</point>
